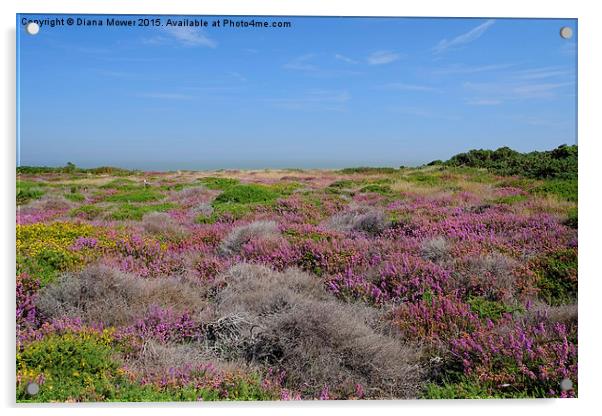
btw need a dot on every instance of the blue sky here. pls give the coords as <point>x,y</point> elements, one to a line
<point>326,92</point>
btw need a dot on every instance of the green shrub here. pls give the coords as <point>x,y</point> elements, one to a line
<point>489,309</point>
<point>28,190</point>
<point>218,183</point>
<point>229,212</point>
<point>572,218</point>
<point>88,212</point>
<point>84,367</point>
<point>122,184</point>
<point>378,189</point>
<point>344,184</point>
<point>246,194</point>
<point>558,277</point>
<point>558,163</point>
<point>510,199</point>
<point>74,366</point>
<point>141,195</point>
<point>466,388</point>
<point>76,197</point>
<point>562,188</point>
<point>423,178</point>
<point>34,266</point>
<point>136,212</point>
<point>367,170</point>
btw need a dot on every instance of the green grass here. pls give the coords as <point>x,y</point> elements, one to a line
<point>84,367</point>
<point>422,178</point>
<point>88,212</point>
<point>509,200</point>
<point>136,212</point>
<point>367,170</point>
<point>378,189</point>
<point>246,194</point>
<point>75,197</point>
<point>562,188</point>
<point>558,277</point>
<point>218,183</point>
<point>467,389</point>
<point>572,218</point>
<point>231,211</point>
<point>237,200</point>
<point>28,190</point>
<point>489,309</point>
<point>140,195</point>
<point>122,184</point>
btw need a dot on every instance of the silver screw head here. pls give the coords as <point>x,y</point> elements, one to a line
<point>32,28</point>
<point>566,384</point>
<point>32,388</point>
<point>566,32</point>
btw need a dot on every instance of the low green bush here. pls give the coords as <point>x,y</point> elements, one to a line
<point>28,190</point>
<point>562,188</point>
<point>246,194</point>
<point>489,309</point>
<point>559,163</point>
<point>88,212</point>
<point>75,197</point>
<point>377,189</point>
<point>558,277</point>
<point>141,195</point>
<point>218,183</point>
<point>368,170</point>
<point>136,212</point>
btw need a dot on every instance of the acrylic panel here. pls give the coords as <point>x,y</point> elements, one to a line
<point>295,208</point>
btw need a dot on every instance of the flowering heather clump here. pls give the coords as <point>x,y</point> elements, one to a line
<point>164,325</point>
<point>436,320</point>
<point>145,257</point>
<point>435,282</point>
<point>26,296</point>
<point>532,359</point>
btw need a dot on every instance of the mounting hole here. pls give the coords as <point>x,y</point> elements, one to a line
<point>566,384</point>
<point>32,28</point>
<point>566,32</point>
<point>32,388</point>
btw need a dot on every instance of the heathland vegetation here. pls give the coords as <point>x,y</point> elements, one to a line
<point>457,279</point>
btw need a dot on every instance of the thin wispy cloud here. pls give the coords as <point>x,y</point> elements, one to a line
<point>483,102</point>
<point>314,100</point>
<point>345,59</point>
<point>382,57</point>
<point>400,86</point>
<point>461,69</point>
<point>307,64</point>
<point>302,63</point>
<point>237,75</point>
<point>189,36</point>
<point>506,91</point>
<point>463,39</point>
<point>542,73</point>
<point>165,96</point>
<point>184,36</point>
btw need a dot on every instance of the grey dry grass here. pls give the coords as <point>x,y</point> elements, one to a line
<point>286,320</point>
<point>103,294</point>
<point>240,235</point>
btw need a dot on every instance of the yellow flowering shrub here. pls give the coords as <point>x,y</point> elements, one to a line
<point>44,249</point>
<point>70,366</point>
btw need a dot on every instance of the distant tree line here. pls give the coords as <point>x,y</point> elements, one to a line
<point>71,168</point>
<point>560,163</point>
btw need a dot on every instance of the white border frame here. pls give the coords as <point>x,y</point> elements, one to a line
<point>590,29</point>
